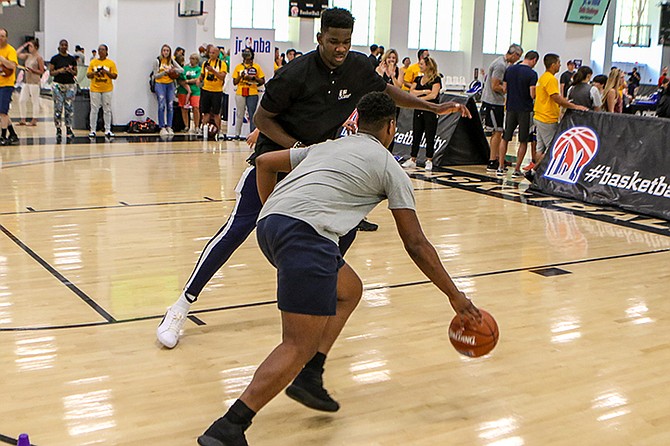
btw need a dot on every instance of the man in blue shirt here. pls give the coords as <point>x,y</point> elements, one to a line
<point>519,81</point>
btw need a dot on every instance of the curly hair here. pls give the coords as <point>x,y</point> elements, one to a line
<point>375,110</point>
<point>336,18</point>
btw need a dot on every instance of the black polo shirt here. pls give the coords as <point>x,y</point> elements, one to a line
<point>313,101</point>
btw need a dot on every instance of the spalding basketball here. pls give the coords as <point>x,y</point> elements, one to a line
<point>212,131</point>
<point>474,340</point>
<point>5,71</point>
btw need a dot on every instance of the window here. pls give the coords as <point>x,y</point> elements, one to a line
<point>435,25</point>
<point>632,21</point>
<point>262,14</point>
<point>364,11</point>
<point>503,20</point>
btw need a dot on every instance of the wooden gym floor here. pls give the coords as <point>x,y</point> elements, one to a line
<point>97,239</point>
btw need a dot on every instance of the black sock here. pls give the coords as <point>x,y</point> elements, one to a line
<point>317,362</point>
<point>4,133</point>
<point>11,130</point>
<point>239,413</point>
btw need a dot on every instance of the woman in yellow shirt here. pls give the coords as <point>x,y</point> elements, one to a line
<point>166,70</point>
<point>248,76</point>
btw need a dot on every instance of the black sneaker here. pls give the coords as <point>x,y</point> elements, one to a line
<point>224,433</point>
<point>59,134</point>
<point>3,141</point>
<point>492,166</point>
<point>13,139</point>
<point>70,133</point>
<point>367,226</point>
<point>529,175</point>
<point>307,389</point>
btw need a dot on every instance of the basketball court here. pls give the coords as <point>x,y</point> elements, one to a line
<point>97,240</point>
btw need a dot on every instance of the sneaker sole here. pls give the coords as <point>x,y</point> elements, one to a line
<point>306,399</point>
<point>205,440</point>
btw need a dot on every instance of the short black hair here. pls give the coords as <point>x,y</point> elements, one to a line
<point>420,52</point>
<point>600,79</point>
<point>250,50</point>
<point>290,50</point>
<point>550,59</point>
<point>373,47</point>
<point>336,18</point>
<point>532,55</point>
<point>375,110</point>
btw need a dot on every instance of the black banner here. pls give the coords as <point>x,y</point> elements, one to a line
<point>459,141</point>
<point>309,9</point>
<point>610,159</point>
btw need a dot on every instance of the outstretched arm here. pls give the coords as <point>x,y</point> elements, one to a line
<point>402,99</point>
<point>423,254</point>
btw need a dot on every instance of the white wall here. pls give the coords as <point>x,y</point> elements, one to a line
<point>73,20</point>
<point>570,41</point>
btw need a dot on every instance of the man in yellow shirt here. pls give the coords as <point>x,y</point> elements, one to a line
<point>101,71</point>
<point>547,110</point>
<point>8,64</point>
<point>248,76</point>
<point>413,71</point>
<point>212,76</point>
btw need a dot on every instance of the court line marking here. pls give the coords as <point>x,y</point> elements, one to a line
<point>117,206</point>
<point>367,288</point>
<point>83,296</point>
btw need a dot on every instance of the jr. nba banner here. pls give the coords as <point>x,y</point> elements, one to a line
<point>262,41</point>
<point>611,159</point>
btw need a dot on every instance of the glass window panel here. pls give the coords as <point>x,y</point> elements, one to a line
<point>263,14</point>
<point>364,12</point>
<point>222,19</point>
<point>502,25</point>
<point>414,23</point>
<point>281,20</point>
<point>242,13</point>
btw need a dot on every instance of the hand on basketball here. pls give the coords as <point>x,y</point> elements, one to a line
<point>465,308</point>
<point>446,108</point>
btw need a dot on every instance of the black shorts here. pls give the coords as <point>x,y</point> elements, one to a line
<point>307,265</point>
<point>210,102</point>
<point>494,117</point>
<point>514,119</point>
<point>5,99</point>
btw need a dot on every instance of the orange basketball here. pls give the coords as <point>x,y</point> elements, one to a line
<point>474,340</point>
<point>5,71</point>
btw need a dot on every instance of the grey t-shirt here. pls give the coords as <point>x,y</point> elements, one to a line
<point>335,184</point>
<point>497,70</point>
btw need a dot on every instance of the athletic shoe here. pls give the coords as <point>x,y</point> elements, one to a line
<point>12,139</point>
<point>110,135</point>
<point>500,172</point>
<point>69,132</point>
<point>398,158</point>
<point>170,131</point>
<point>170,327</point>
<point>429,166</point>
<point>517,174</point>
<point>164,132</point>
<point>224,433</point>
<point>529,166</point>
<point>307,389</point>
<point>530,175</point>
<point>409,164</point>
<point>3,141</point>
<point>492,166</point>
<point>367,226</point>
<point>91,135</point>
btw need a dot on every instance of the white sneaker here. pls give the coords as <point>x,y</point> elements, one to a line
<point>409,164</point>
<point>170,131</point>
<point>429,165</point>
<point>169,329</point>
<point>110,135</point>
<point>164,132</point>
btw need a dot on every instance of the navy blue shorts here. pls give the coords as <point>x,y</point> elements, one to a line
<point>307,265</point>
<point>5,99</point>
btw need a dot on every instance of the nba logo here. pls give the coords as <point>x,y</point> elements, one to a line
<point>573,150</point>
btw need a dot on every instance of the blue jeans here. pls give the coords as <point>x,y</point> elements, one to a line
<point>165,95</point>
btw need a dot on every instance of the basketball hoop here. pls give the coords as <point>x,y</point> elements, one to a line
<point>202,18</point>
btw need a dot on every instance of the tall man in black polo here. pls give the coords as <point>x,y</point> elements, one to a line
<point>519,81</point>
<point>305,103</point>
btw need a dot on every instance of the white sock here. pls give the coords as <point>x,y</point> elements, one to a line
<point>182,305</point>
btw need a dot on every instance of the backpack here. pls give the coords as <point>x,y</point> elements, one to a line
<point>152,79</point>
<point>148,126</point>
